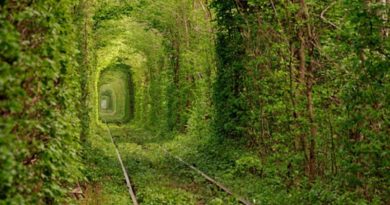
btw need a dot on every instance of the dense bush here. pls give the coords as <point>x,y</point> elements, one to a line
<point>39,95</point>
<point>304,83</point>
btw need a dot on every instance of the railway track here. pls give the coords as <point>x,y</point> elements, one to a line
<point>130,186</point>
<point>126,175</point>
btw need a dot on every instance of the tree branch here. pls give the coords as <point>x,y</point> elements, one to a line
<point>325,19</point>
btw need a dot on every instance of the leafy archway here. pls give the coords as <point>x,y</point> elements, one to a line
<point>116,93</point>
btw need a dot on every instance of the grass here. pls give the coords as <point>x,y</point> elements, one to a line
<point>158,178</point>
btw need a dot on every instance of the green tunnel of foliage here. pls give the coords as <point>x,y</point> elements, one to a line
<point>115,89</point>
<point>293,95</point>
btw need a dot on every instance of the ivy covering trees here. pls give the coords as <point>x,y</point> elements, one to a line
<point>306,83</point>
<point>39,101</point>
<point>285,101</point>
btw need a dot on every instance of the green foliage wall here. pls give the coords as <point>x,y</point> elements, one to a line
<point>188,54</point>
<point>365,96</point>
<point>314,77</point>
<point>230,108</point>
<point>39,101</point>
<point>86,60</point>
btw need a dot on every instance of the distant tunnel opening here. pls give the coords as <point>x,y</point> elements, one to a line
<point>116,94</point>
<point>107,99</point>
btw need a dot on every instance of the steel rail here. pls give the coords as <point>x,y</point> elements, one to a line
<point>207,177</point>
<point>129,186</point>
<point>213,181</point>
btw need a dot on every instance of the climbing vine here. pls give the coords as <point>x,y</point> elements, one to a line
<point>39,89</point>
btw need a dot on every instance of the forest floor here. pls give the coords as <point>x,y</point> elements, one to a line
<point>160,179</point>
<point>157,177</point>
